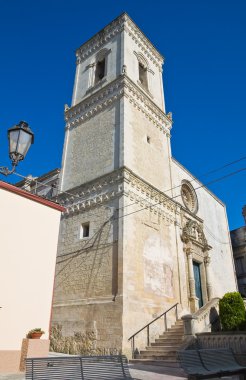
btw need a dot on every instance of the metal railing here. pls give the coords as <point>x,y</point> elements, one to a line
<point>132,338</point>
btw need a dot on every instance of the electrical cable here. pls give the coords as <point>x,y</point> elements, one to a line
<point>175,187</point>
<point>78,252</point>
<point>179,195</point>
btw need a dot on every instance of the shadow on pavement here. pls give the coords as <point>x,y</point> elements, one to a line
<point>175,372</point>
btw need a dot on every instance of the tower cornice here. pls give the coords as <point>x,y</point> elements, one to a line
<point>113,185</point>
<point>123,22</point>
<point>122,86</point>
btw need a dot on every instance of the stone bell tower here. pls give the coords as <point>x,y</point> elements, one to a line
<point>111,274</point>
<point>117,117</point>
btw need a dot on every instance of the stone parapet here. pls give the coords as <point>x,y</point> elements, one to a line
<point>236,340</point>
<point>202,320</point>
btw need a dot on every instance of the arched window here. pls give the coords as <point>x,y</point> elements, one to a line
<point>100,70</point>
<point>142,71</point>
<point>101,65</point>
<point>143,79</point>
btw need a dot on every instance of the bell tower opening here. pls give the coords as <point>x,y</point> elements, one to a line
<point>143,79</point>
<point>100,70</point>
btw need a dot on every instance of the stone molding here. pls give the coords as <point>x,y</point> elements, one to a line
<point>143,103</point>
<point>94,104</point>
<point>113,185</point>
<point>106,96</point>
<point>121,23</point>
<point>92,194</point>
<point>87,301</point>
<point>193,232</point>
<point>161,210</point>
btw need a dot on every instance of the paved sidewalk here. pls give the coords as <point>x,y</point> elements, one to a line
<point>139,372</point>
<point>149,372</point>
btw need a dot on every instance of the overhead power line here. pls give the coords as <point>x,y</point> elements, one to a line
<point>179,195</point>
<point>89,248</point>
<point>172,188</point>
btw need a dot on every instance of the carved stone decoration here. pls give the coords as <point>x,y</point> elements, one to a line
<point>102,54</point>
<point>197,250</point>
<point>189,197</point>
<point>207,262</point>
<point>193,232</point>
<point>105,97</point>
<point>123,22</point>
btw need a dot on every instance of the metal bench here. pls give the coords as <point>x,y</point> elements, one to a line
<point>208,363</point>
<point>113,367</point>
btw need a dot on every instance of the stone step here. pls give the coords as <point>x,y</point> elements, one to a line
<point>166,344</point>
<point>171,334</point>
<point>163,363</point>
<point>158,353</point>
<point>179,322</point>
<point>171,340</point>
<point>155,356</point>
<point>176,328</point>
<point>163,348</point>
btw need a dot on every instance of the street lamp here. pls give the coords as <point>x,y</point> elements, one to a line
<point>20,139</point>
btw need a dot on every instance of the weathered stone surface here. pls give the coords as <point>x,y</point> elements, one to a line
<point>121,178</point>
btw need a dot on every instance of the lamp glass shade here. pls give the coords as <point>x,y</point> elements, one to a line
<point>13,141</point>
<point>24,142</point>
<point>20,139</point>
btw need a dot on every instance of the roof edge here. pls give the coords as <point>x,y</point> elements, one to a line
<point>122,15</point>
<point>196,179</point>
<point>16,190</point>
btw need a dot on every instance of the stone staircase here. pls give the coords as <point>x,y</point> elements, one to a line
<point>163,351</point>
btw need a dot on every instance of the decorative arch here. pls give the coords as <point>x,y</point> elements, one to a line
<point>102,54</point>
<point>189,196</point>
<point>142,60</point>
<point>193,232</point>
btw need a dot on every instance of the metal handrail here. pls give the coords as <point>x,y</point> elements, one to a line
<point>150,323</point>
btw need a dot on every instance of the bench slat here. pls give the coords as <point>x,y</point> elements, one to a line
<point>113,367</point>
<point>220,360</point>
<point>207,363</point>
<point>191,362</point>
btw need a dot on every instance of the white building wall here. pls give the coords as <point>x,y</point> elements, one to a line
<point>213,214</point>
<point>29,232</point>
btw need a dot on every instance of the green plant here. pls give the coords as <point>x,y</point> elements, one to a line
<point>36,330</point>
<point>232,311</point>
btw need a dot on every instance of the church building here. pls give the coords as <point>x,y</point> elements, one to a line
<point>140,232</point>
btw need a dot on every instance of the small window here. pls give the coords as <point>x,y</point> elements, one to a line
<point>143,75</point>
<point>148,139</point>
<point>100,70</point>
<point>84,230</point>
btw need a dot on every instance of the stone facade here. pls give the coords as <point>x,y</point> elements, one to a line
<point>238,239</point>
<point>135,227</point>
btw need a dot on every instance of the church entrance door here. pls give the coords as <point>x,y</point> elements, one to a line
<point>198,287</point>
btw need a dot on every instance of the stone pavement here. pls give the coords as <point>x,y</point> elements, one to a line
<point>149,372</point>
<point>139,372</point>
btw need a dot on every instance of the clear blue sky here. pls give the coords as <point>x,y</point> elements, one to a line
<point>203,42</point>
